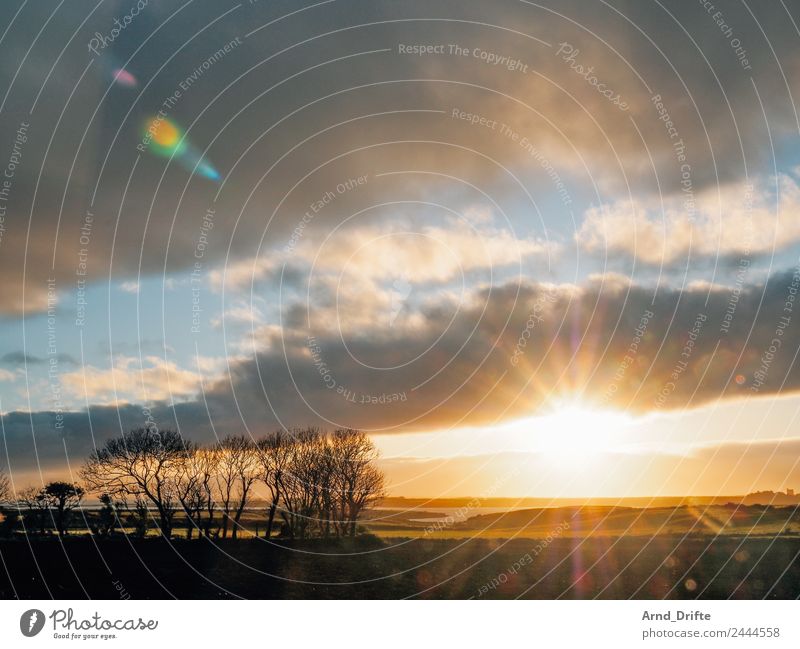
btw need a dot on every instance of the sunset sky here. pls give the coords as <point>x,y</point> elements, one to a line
<point>429,220</point>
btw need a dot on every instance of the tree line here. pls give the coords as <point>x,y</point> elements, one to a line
<point>317,485</point>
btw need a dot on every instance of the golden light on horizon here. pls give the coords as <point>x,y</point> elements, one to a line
<point>572,435</point>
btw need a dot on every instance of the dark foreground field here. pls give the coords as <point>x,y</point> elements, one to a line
<point>641,567</point>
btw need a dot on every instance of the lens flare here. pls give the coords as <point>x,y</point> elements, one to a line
<point>167,139</point>
<point>192,160</point>
<point>124,78</point>
<point>116,71</point>
<point>164,135</point>
<point>206,170</point>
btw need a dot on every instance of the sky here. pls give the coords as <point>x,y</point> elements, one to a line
<point>539,249</point>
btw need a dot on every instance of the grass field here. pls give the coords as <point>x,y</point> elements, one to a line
<point>714,552</point>
<point>662,567</point>
<point>593,521</point>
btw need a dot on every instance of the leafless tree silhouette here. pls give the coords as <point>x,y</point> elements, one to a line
<point>194,477</point>
<point>358,482</point>
<point>142,463</point>
<point>36,506</point>
<point>5,487</point>
<point>275,454</point>
<point>317,483</point>
<point>238,468</point>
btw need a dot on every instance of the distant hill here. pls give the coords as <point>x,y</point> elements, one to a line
<point>757,498</point>
<point>594,520</point>
<point>598,521</point>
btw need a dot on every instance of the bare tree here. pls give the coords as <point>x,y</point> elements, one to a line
<point>321,476</point>
<point>5,487</point>
<point>238,468</point>
<point>36,507</point>
<point>247,472</point>
<point>210,461</point>
<point>225,483</point>
<point>142,463</point>
<point>62,498</point>
<point>300,488</point>
<point>358,481</point>
<point>319,483</point>
<point>275,454</point>
<point>193,485</point>
<point>10,515</point>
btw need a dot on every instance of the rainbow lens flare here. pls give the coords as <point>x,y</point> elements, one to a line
<point>167,139</point>
<point>164,135</point>
<point>207,170</point>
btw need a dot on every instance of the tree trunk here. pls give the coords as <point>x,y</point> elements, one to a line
<point>271,517</point>
<point>166,525</point>
<point>209,523</point>
<point>353,519</point>
<point>60,521</point>
<point>237,517</point>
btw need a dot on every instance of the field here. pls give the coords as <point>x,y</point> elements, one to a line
<point>592,521</point>
<point>712,552</point>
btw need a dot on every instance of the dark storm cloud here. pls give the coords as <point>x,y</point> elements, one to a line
<point>678,50</point>
<point>508,353</point>
<point>511,351</point>
<point>62,440</point>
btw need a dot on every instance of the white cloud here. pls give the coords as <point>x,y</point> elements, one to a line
<point>740,219</point>
<point>430,253</point>
<point>129,381</point>
<point>240,313</point>
<point>129,287</point>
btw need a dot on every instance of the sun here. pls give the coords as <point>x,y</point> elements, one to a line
<point>571,435</point>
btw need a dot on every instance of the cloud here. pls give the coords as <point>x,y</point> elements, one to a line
<point>22,358</point>
<point>129,287</point>
<point>341,113</point>
<point>240,313</point>
<point>502,353</point>
<point>405,348</point>
<point>742,219</point>
<point>35,443</point>
<point>60,441</point>
<point>129,380</point>
<point>508,351</point>
<point>419,252</point>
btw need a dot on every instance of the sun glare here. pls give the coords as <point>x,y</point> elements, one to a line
<point>571,435</point>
